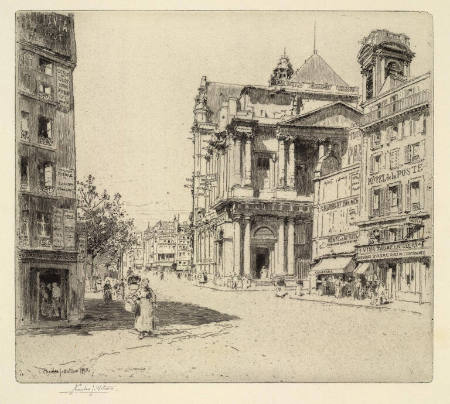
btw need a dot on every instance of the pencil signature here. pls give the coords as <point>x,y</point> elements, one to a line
<point>90,389</point>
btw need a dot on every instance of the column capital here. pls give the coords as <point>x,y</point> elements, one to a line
<point>247,218</point>
<point>244,132</point>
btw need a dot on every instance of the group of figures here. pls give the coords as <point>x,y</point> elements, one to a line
<point>358,288</point>
<point>50,300</point>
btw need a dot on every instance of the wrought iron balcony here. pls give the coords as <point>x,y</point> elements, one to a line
<point>395,107</point>
<point>47,141</point>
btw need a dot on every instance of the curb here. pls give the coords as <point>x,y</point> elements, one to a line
<point>355,305</point>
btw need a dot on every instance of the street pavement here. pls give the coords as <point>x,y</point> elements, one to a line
<point>207,335</point>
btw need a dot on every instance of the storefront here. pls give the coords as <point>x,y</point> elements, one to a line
<point>403,267</point>
<point>327,270</point>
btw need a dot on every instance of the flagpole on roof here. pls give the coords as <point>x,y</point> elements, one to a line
<point>315,50</point>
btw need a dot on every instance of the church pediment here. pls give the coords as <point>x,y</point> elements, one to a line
<point>334,115</point>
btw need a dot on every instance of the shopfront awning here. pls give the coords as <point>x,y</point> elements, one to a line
<point>362,268</point>
<point>338,265</point>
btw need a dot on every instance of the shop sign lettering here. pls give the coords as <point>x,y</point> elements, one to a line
<point>58,228</point>
<point>49,30</point>
<point>343,238</point>
<point>339,204</point>
<point>395,174</point>
<point>65,182</point>
<point>63,87</point>
<point>392,250</point>
<point>69,228</point>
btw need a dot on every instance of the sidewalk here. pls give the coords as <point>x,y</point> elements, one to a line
<point>398,305</point>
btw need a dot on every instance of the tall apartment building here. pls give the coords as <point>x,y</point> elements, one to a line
<point>46,241</point>
<point>397,168</point>
<point>256,149</point>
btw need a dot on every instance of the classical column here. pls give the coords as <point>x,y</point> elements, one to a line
<point>281,163</point>
<point>389,282</point>
<point>291,165</point>
<point>246,250</point>
<point>271,173</point>
<point>248,160</point>
<point>237,245</point>
<point>237,160</point>
<point>280,268</point>
<point>290,247</point>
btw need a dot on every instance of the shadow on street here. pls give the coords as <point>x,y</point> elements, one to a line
<point>113,316</point>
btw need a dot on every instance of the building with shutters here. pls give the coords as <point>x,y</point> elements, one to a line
<point>49,283</point>
<point>395,242</point>
<point>256,149</point>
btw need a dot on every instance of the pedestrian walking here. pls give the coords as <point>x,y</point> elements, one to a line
<point>145,304</point>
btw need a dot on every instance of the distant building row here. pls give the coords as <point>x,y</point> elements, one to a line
<point>166,245</point>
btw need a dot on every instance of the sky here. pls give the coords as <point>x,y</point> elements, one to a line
<point>138,73</point>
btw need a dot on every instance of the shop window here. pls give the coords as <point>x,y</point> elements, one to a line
<point>45,66</point>
<point>415,195</point>
<point>24,173</point>
<point>45,131</point>
<point>25,125</point>
<point>408,281</point>
<point>393,158</point>
<point>43,224</point>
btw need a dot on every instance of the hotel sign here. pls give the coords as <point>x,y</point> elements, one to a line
<point>58,228</point>
<point>69,228</point>
<point>413,248</point>
<point>395,174</point>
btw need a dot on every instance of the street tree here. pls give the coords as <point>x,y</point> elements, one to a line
<point>109,229</point>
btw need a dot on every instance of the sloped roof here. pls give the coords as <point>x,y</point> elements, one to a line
<point>216,93</point>
<point>316,70</point>
<point>295,118</point>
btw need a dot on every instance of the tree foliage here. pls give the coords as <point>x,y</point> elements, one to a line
<point>109,229</point>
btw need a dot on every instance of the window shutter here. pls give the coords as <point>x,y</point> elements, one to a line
<point>400,131</point>
<point>371,164</point>
<point>407,153</point>
<point>419,125</point>
<point>371,203</point>
<point>408,196</point>
<point>422,194</point>
<point>48,176</point>
<point>399,196</point>
<point>422,149</point>
<point>382,201</point>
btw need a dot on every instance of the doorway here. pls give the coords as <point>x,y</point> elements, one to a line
<point>52,297</point>
<point>261,260</point>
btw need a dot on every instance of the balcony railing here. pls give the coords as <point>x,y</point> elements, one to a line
<point>47,141</point>
<point>396,106</point>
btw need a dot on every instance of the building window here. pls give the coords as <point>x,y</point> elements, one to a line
<point>415,152</point>
<point>24,125</point>
<point>24,172</point>
<point>45,66</point>
<point>415,195</point>
<point>376,163</point>
<point>393,158</point>
<point>376,139</point>
<point>46,176</point>
<point>45,89</point>
<point>369,85</point>
<point>394,133</point>
<point>45,131</point>
<point>376,202</point>
<point>394,197</point>
<point>43,224</point>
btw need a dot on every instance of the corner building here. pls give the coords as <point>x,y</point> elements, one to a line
<point>49,283</point>
<point>397,168</point>
<point>256,149</point>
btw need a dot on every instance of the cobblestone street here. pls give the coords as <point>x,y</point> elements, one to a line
<point>208,335</point>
